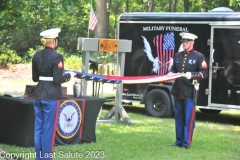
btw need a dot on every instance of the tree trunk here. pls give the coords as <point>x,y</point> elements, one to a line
<point>170,6</point>
<point>102,16</point>
<point>175,6</point>
<point>150,5</point>
<point>186,5</point>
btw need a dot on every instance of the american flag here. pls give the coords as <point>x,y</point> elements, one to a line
<point>92,19</point>
<point>165,46</point>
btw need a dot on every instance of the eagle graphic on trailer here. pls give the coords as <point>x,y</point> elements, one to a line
<point>165,46</point>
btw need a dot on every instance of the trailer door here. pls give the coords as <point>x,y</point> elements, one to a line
<point>224,67</point>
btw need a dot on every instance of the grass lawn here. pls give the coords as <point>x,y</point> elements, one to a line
<point>217,138</point>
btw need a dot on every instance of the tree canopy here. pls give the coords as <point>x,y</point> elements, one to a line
<point>22,21</point>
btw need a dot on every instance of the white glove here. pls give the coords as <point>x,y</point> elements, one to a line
<point>196,84</point>
<point>73,74</point>
<point>188,75</point>
<point>170,73</point>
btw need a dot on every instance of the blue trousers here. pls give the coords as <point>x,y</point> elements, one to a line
<point>184,112</point>
<point>46,117</point>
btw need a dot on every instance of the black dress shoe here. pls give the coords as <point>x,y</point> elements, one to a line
<point>185,147</point>
<point>175,145</point>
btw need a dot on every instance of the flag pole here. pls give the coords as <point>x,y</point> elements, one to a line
<point>89,22</point>
<point>88,29</point>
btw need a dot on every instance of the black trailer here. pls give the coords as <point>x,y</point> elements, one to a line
<point>155,38</point>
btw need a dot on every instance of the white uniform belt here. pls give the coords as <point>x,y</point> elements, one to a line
<point>45,78</point>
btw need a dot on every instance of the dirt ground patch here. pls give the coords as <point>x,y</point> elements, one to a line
<point>16,71</point>
<point>13,80</point>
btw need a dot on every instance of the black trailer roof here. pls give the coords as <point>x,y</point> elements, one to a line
<point>186,16</point>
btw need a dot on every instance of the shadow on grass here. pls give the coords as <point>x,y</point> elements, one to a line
<point>128,108</point>
<point>222,117</point>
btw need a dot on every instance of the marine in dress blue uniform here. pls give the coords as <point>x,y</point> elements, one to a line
<point>47,70</point>
<point>192,64</point>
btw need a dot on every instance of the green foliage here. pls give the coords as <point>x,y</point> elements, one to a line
<point>27,56</point>
<point>22,21</point>
<point>61,51</point>
<point>73,62</point>
<point>8,56</point>
<point>235,4</point>
<point>109,57</point>
<point>195,6</point>
<point>208,5</point>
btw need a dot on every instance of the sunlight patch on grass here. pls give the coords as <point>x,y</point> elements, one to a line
<point>221,127</point>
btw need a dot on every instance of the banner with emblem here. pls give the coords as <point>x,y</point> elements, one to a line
<point>70,120</point>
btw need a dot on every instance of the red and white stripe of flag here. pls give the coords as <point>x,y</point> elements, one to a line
<point>145,79</point>
<point>92,19</point>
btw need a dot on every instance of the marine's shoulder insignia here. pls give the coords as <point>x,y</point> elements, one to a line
<point>60,65</point>
<point>204,64</point>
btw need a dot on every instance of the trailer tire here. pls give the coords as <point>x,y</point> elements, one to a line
<point>158,103</point>
<point>210,111</point>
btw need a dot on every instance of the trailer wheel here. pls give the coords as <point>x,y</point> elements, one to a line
<point>211,111</point>
<point>158,104</point>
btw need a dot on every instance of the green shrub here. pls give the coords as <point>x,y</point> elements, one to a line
<point>73,62</point>
<point>61,51</point>
<point>27,57</point>
<point>109,57</point>
<point>8,56</point>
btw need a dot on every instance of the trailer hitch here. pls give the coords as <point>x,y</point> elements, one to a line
<point>216,68</point>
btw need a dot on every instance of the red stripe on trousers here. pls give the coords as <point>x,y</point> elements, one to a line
<point>191,127</point>
<point>55,124</point>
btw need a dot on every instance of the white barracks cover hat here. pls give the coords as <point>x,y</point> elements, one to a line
<point>188,36</point>
<point>50,33</point>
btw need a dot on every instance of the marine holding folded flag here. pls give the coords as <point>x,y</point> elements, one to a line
<point>47,70</point>
<point>192,64</point>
